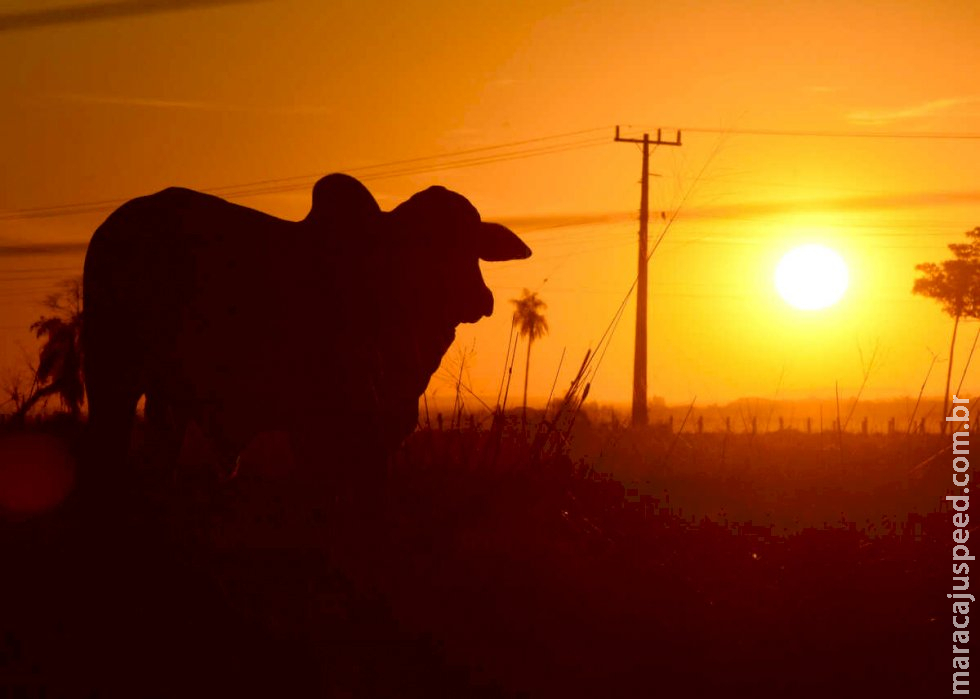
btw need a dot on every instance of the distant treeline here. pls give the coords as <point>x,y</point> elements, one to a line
<point>813,415</point>
<point>745,415</point>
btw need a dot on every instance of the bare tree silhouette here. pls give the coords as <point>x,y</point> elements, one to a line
<point>955,284</point>
<point>531,324</point>
<point>59,368</point>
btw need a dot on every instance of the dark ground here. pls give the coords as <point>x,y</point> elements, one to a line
<point>470,576</point>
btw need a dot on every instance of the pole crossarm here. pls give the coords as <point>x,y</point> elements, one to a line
<point>658,142</point>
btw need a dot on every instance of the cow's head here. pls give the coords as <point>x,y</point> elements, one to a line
<point>442,239</point>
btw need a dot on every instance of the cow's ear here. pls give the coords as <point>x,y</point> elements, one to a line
<point>496,243</point>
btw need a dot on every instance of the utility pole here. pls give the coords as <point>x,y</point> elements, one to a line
<point>640,418</point>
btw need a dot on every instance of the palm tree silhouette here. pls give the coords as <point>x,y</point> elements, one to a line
<point>532,325</point>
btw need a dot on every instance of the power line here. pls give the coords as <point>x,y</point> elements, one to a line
<point>436,163</point>
<point>406,161</point>
<point>436,167</point>
<point>906,135</point>
<point>388,169</point>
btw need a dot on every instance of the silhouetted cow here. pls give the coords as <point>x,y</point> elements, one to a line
<point>328,328</point>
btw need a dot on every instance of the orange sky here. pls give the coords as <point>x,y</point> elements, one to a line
<point>233,94</point>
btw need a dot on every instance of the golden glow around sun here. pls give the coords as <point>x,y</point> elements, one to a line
<point>811,277</point>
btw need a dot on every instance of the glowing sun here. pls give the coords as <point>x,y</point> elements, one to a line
<point>811,277</point>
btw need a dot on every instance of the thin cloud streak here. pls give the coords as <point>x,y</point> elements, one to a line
<point>535,222</point>
<point>546,221</point>
<point>155,103</point>
<point>872,202</point>
<point>884,116</point>
<point>42,249</point>
<point>95,11</point>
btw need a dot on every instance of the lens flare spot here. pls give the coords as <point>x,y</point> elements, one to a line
<point>36,474</point>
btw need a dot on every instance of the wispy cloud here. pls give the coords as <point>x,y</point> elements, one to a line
<point>41,249</point>
<point>94,11</point>
<point>540,222</point>
<point>754,209</point>
<point>195,105</point>
<point>916,111</point>
<point>544,221</point>
<point>869,202</point>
